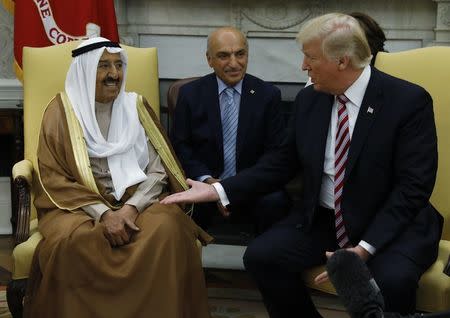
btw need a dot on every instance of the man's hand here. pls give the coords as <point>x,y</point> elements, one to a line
<point>223,210</point>
<point>199,192</point>
<point>119,223</point>
<point>358,250</point>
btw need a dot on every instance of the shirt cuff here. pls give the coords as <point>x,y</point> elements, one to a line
<point>223,198</point>
<point>95,210</point>
<point>369,248</point>
<point>203,178</point>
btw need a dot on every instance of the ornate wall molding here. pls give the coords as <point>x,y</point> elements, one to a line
<point>442,29</point>
<point>280,14</point>
<point>6,44</point>
<point>444,14</point>
<point>179,29</point>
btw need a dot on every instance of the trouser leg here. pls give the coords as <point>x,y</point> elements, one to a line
<point>277,258</point>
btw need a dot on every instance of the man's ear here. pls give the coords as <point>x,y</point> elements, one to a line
<point>343,62</point>
<point>208,58</point>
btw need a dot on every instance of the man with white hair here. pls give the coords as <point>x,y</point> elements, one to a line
<point>366,145</point>
<point>109,248</point>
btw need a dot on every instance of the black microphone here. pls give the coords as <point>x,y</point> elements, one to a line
<point>417,315</point>
<point>355,285</point>
<point>358,290</point>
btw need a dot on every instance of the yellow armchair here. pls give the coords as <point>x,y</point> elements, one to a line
<point>429,68</point>
<point>44,71</point>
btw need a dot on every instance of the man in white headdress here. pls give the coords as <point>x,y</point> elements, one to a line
<point>109,248</point>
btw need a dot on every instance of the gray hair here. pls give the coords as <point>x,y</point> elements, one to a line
<point>340,35</point>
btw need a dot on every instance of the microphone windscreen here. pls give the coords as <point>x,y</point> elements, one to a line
<point>354,284</point>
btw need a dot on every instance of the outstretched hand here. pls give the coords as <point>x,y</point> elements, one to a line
<point>199,192</point>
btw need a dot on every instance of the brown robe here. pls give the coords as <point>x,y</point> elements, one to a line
<point>76,272</point>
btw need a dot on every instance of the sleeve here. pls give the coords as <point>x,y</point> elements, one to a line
<point>95,210</point>
<point>182,137</point>
<point>275,126</point>
<point>414,172</point>
<point>273,170</point>
<point>149,190</point>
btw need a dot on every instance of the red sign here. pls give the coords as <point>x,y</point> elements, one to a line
<point>39,23</point>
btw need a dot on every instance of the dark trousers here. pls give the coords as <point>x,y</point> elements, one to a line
<point>262,213</point>
<point>277,258</point>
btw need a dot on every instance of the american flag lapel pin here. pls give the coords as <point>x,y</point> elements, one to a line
<point>370,110</point>
<point>252,91</point>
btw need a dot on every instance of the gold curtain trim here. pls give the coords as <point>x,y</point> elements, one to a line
<point>18,71</point>
<point>9,6</point>
<point>159,143</point>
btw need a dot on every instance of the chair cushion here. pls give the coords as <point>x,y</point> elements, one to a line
<point>308,278</point>
<point>434,286</point>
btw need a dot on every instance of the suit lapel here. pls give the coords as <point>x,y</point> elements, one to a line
<point>317,142</point>
<point>370,107</point>
<point>246,109</point>
<point>210,101</point>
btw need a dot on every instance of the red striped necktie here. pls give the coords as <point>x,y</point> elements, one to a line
<point>340,160</point>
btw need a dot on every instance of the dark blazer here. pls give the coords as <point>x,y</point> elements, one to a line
<point>390,172</point>
<point>197,129</point>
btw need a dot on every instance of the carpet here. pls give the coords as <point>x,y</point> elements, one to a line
<point>231,308</point>
<point>220,308</point>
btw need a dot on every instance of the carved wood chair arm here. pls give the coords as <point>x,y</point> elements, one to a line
<point>24,209</point>
<point>447,267</point>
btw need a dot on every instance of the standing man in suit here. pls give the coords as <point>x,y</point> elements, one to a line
<point>225,122</point>
<point>366,145</point>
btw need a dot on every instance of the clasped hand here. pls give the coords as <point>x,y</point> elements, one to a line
<point>119,225</point>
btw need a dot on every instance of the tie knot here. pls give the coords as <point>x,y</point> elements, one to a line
<point>342,99</point>
<point>229,91</point>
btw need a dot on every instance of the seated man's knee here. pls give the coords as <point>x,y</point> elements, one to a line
<point>166,222</point>
<point>399,289</point>
<point>256,256</point>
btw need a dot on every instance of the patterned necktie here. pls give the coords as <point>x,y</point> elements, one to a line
<point>229,132</point>
<point>340,160</point>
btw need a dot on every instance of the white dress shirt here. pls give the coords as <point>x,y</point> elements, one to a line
<point>222,103</point>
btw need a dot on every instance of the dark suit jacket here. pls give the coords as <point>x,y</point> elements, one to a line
<point>197,128</point>
<point>390,172</point>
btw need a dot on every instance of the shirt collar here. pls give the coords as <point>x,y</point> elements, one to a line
<point>355,93</point>
<point>222,86</point>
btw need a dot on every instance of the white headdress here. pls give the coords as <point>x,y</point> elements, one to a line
<point>126,145</point>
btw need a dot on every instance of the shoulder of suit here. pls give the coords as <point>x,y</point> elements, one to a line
<point>308,92</point>
<point>198,83</point>
<point>253,80</point>
<point>394,84</point>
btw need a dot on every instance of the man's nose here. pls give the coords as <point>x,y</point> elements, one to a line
<point>233,61</point>
<point>305,66</point>
<point>113,71</point>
